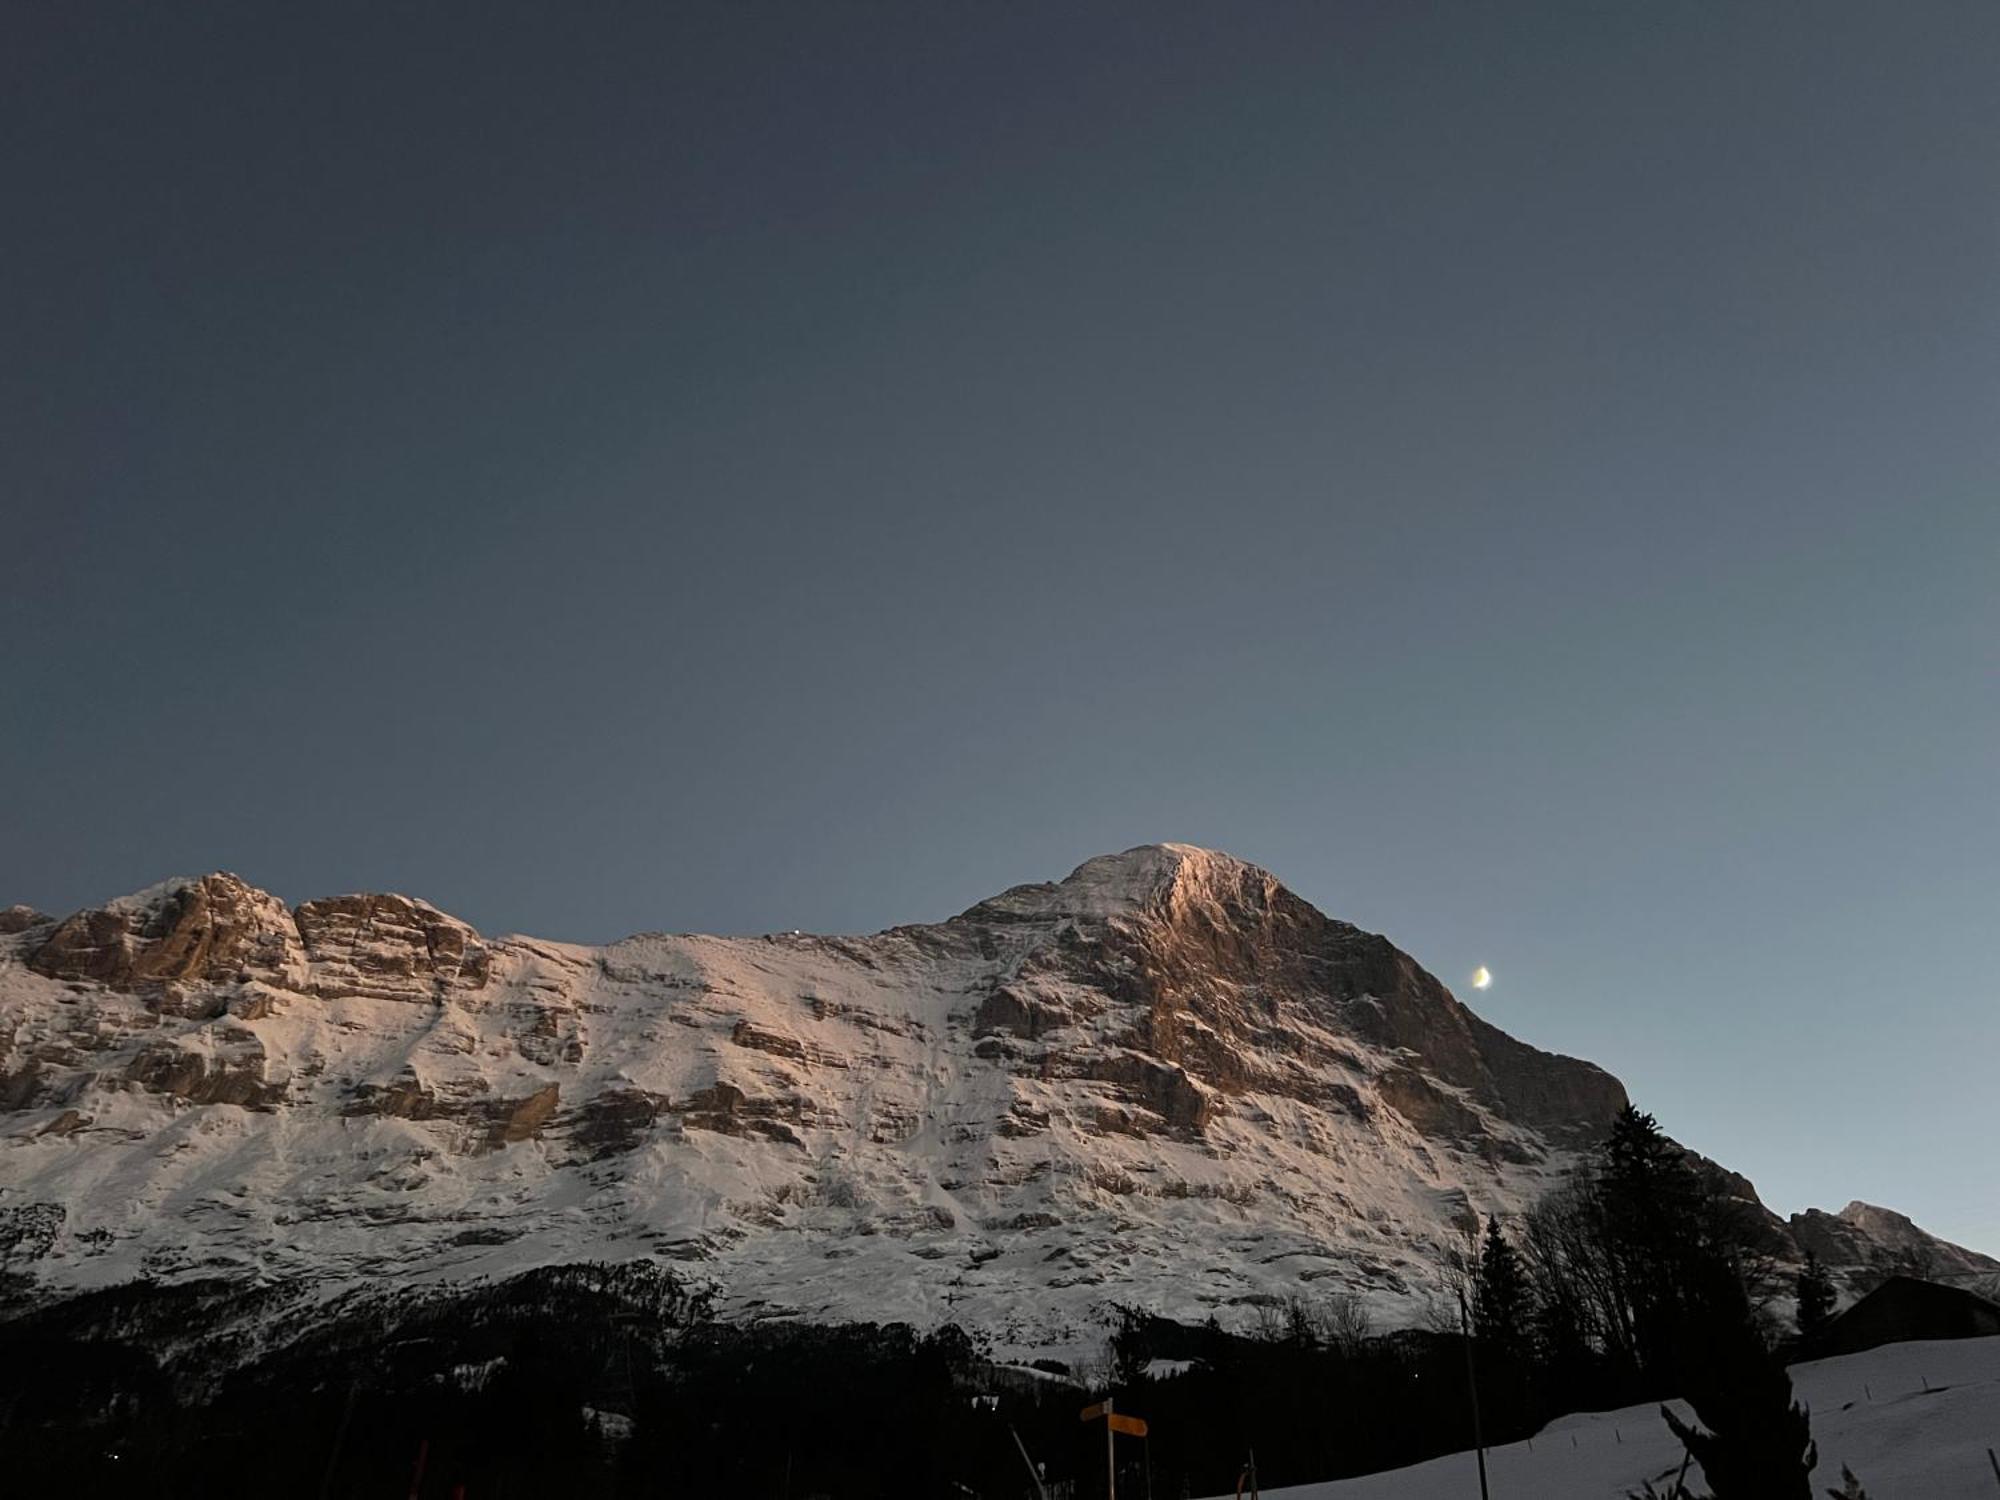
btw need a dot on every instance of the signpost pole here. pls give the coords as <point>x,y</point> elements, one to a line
<point>1472,1385</point>
<point>1116,1422</point>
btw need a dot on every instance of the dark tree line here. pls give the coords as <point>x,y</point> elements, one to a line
<point>610,1381</point>
<point>1636,1282</point>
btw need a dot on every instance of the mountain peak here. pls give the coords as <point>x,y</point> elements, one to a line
<point>1147,877</point>
<point>1150,873</point>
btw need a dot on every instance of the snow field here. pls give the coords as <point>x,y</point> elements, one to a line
<point>1913,1421</point>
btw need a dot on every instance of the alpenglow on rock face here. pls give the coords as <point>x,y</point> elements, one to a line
<point>1164,1082</point>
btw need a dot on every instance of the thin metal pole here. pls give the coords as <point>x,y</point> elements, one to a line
<point>1472,1385</point>
<point>339,1440</point>
<point>1110,1455</point>
<point>417,1479</point>
<point>1041,1490</point>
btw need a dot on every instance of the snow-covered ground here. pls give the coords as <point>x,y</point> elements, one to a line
<point>1914,1421</point>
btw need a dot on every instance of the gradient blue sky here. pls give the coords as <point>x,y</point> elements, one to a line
<point>1525,474</point>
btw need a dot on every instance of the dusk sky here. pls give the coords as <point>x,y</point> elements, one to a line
<point>1528,475</point>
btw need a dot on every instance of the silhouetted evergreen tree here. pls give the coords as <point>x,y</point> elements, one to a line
<point>1753,1441</point>
<point>1815,1293</point>
<point>1503,1309</point>
<point>1503,1349</point>
<point>1653,1214</point>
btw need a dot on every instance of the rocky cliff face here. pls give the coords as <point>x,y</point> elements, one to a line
<point>1165,1081</point>
<point>1862,1235</point>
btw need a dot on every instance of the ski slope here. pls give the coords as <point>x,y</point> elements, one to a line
<point>1912,1420</point>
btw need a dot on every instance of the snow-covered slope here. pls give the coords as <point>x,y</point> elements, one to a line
<point>1164,1081</point>
<point>1913,1421</point>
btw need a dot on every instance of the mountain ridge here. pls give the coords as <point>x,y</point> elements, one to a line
<point>1164,1080</point>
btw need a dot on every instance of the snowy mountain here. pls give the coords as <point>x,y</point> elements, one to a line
<point>1165,1081</point>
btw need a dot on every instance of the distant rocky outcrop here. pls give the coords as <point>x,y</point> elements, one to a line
<point>213,930</point>
<point>1863,1238</point>
<point>20,918</point>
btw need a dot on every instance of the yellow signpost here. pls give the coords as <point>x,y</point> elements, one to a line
<point>1114,1422</point>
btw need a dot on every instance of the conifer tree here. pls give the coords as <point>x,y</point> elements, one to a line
<point>1649,1202</point>
<point>1669,1229</point>
<point>1753,1441</point>
<point>1503,1304</point>
<point>1815,1293</point>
